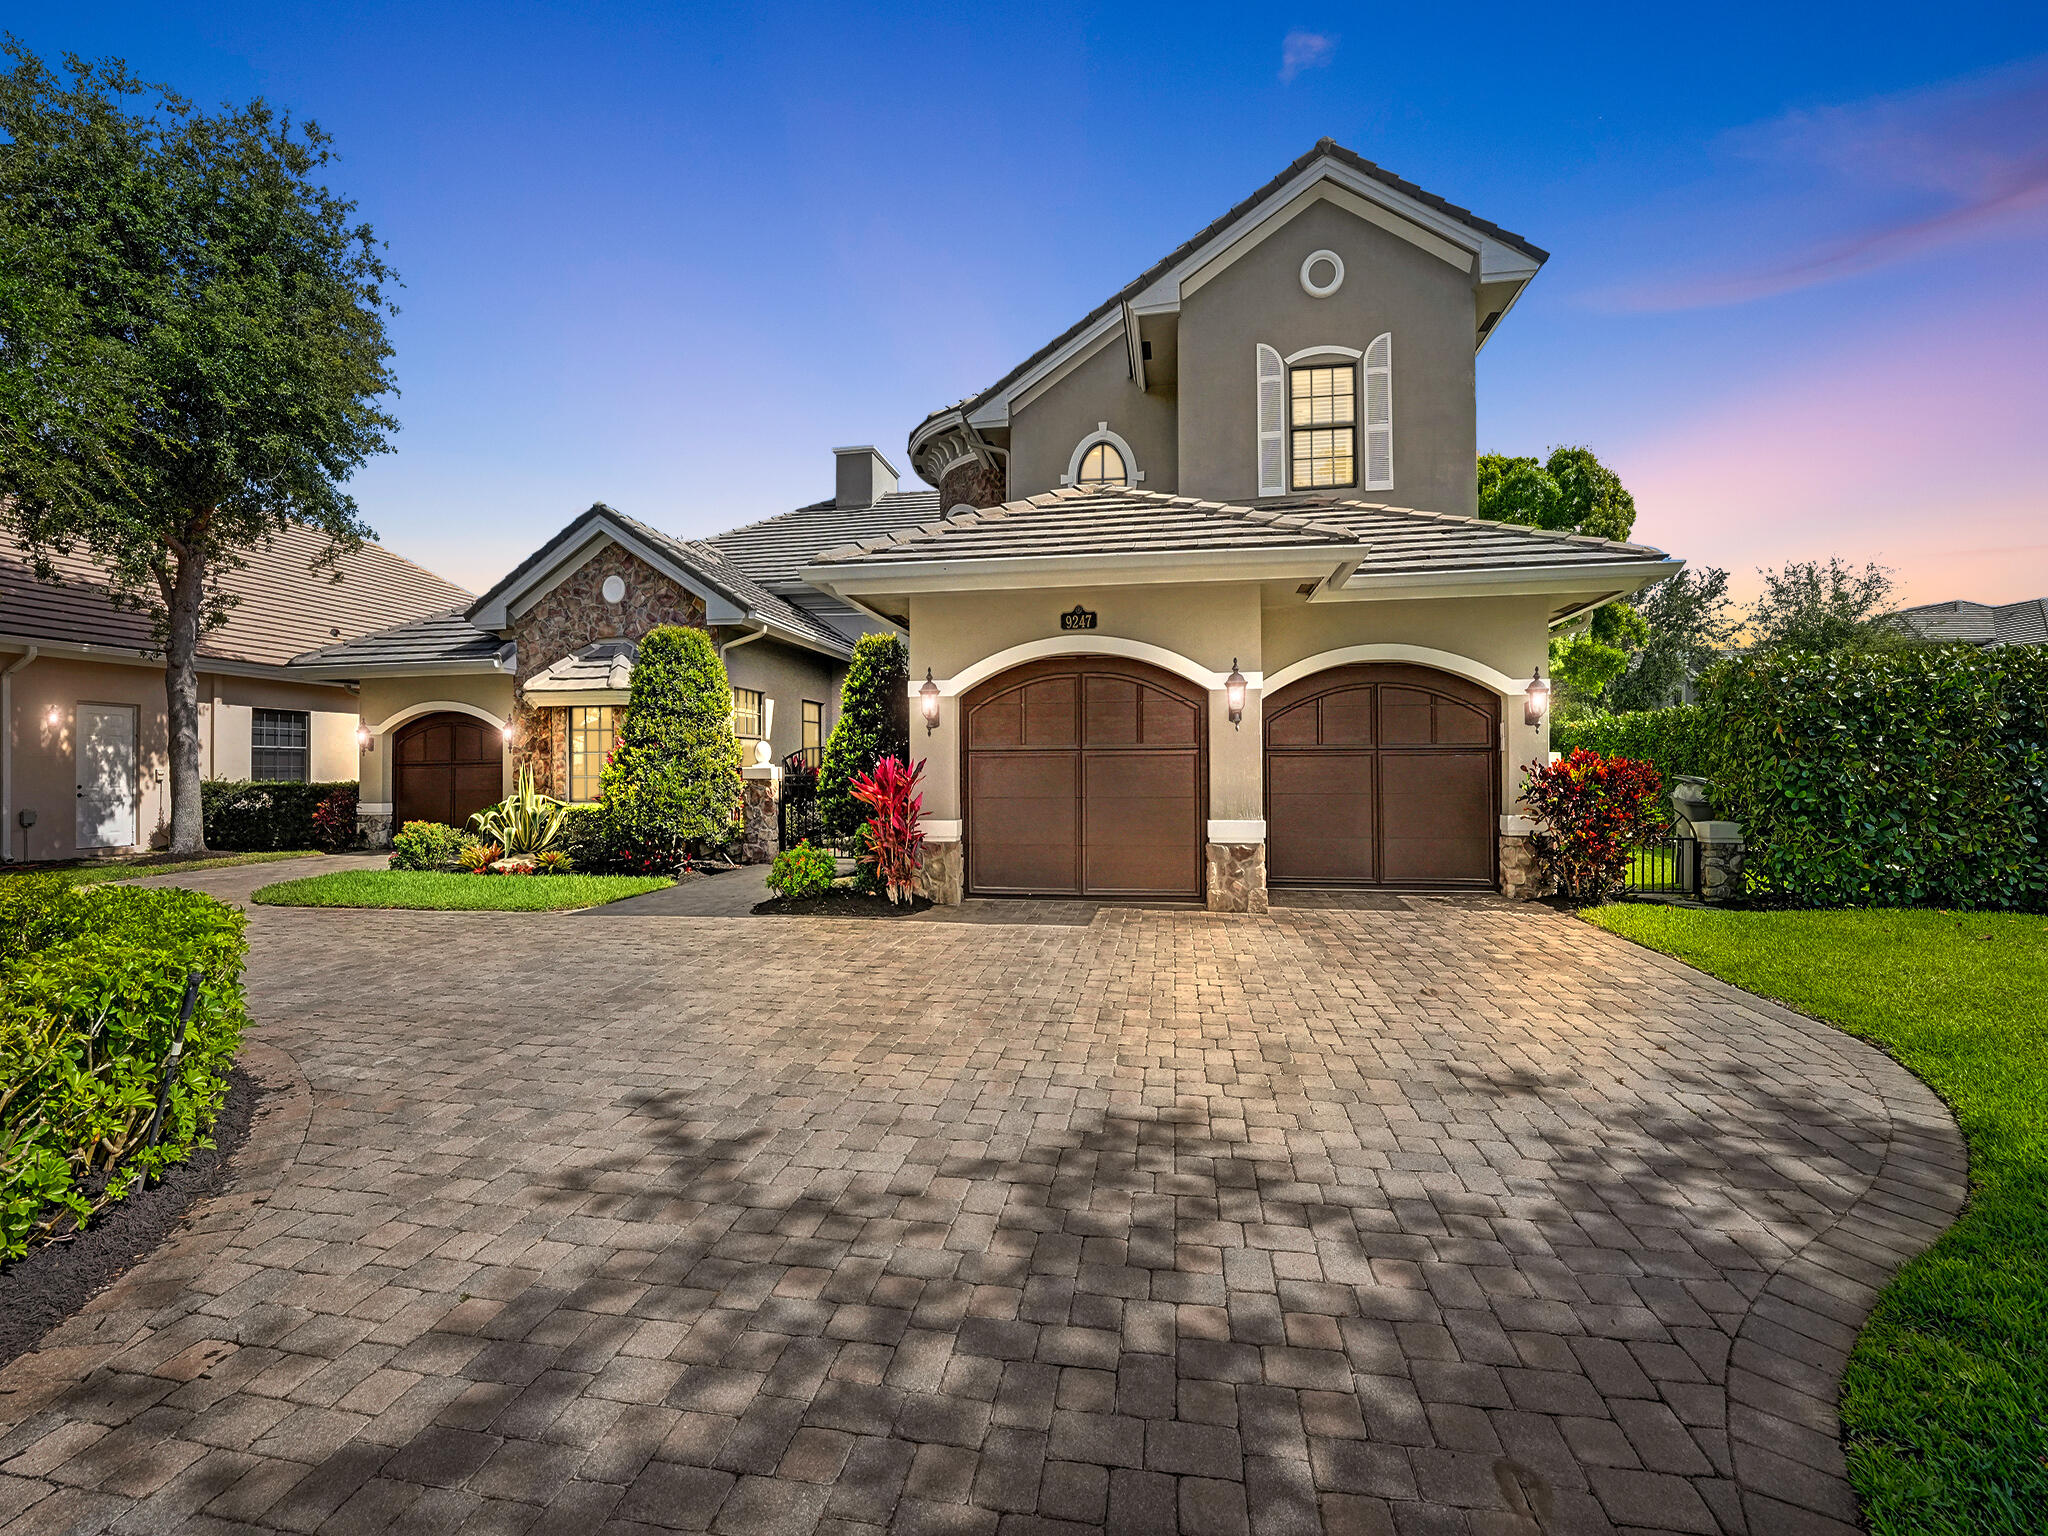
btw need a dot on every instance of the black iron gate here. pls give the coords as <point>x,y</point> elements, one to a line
<point>800,820</point>
<point>1667,868</point>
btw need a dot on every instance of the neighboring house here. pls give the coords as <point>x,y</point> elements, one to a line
<point>1252,465</point>
<point>1981,624</point>
<point>84,740</point>
<point>537,671</point>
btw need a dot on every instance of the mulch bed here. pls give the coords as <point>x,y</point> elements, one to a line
<point>840,904</point>
<point>52,1282</point>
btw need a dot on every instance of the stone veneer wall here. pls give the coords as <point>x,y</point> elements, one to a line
<point>974,483</point>
<point>1520,880</point>
<point>1237,877</point>
<point>574,614</point>
<point>942,877</point>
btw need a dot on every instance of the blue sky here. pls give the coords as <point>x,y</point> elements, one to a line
<point>668,257</point>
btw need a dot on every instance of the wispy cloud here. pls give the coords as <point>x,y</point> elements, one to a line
<point>1301,50</point>
<point>1907,173</point>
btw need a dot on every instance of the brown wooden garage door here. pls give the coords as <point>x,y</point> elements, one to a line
<point>1382,775</point>
<point>1084,777</point>
<point>446,768</point>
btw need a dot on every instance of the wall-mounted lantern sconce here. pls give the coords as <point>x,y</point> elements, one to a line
<point>1233,695</point>
<point>363,738</point>
<point>928,702</point>
<point>1536,699</point>
<point>506,732</point>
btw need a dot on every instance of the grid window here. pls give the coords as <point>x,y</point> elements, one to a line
<point>277,745</point>
<point>814,727</point>
<point>1103,465</point>
<point>746,714</point>
<point>1324,426</point>
<point>593,732</point>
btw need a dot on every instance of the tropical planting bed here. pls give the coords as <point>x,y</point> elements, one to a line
<point>435,891</point>
<point>840,901</point>
<point>1942,1403</point>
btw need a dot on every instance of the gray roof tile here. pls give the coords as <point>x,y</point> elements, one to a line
<point>1963,622</point>
<point>282,605</point>
<point>442,638</point>
<point>1119,520</point>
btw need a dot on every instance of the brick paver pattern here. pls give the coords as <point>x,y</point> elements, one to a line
<point>1450,1218</point>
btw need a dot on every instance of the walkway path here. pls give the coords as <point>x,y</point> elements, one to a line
<point>1445,1218</point>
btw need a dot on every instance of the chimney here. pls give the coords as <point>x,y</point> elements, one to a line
<point>865,477</point>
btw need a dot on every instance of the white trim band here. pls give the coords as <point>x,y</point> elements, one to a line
<point>1419,655</point>
<point>373,807</point>
<point>1237,831</point>
<point>435,707</point>
<point>1081,643</point>
<point>938,831</point>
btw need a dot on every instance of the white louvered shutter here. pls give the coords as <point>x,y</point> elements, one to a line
<point>1379,414</point>
<point>1272,423</point>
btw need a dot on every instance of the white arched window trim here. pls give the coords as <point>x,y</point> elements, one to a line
<point>1309,354</point>
<point>1102,434</point>
<point>1379,413</point>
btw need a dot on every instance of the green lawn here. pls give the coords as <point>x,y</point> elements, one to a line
<point>139,869</point>
<point>1945,1403</point>
<point>423,891</point>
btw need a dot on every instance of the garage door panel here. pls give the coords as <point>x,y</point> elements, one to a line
<point>1347,718</point>
<point>1111,717</point>
<point>1438,815</point>
<point>1405,717</point>
<point>1026,827</point>
<point>1460,725</point>
<point>1052,712</point>
<point>1139,823</point>
<point>1292,727</point>
<point>1319,823</point>
<point>1169,722</point>
<point>999,722</point>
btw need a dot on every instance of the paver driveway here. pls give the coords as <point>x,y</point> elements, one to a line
<point>1444,1218</point>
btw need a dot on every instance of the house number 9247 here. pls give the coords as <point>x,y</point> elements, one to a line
<point>1077,617</point>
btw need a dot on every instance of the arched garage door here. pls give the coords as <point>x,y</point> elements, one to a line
<point>1382,775</point>
<point>445,767</point>
<point>1084,776</point>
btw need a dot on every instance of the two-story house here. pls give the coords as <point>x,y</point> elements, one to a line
<point>1208,606</point>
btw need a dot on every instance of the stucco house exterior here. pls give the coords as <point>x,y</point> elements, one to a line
<point>84,738</point>
<point>1208,608</point>
<point>535,672</point>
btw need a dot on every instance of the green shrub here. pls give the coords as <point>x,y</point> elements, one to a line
<point>1677,741</point>
<point>874,723</point>
<point>801,871</point>
<point>426,845</point>
<point>251,814</point>
<point>1891,778</point>
<point>674,779</point>
<point>90,985</point>
<point>583,837</point>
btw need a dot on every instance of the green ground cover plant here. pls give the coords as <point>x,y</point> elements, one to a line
<point>433,891</point>
<point>91,981</point>
<point>1942,1403</point>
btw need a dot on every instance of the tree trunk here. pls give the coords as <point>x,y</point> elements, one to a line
<point>185,597</point>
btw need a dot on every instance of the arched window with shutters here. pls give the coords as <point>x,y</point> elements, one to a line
<point>1379,413</point>
<point>1272,405</point>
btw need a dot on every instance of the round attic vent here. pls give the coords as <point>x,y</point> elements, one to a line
<point>614,589</point>
<point>1322,274</point>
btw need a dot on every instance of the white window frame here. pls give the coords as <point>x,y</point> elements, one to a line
<point>1102,434</point>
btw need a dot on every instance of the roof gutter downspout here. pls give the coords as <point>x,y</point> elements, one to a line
<point>733,645</point>
<point>7,748</point>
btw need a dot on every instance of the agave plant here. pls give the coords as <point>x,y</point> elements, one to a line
<point>525,821</point>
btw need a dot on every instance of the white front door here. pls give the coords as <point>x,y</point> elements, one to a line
<point>105,749</point>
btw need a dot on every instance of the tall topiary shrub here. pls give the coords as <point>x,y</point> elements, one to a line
<point>874,723</point>
<point>1678,740</point>
<point>1892,778</point>
<point>674,778</point>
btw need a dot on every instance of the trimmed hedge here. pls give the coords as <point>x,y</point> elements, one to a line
<point>1678,740</point>
<point>1893,778</point>
<point>874,723</point>
<point>91,979</point>
<point>256,815</point>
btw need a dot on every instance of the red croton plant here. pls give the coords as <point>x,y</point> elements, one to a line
<point>1593,813</point>
<point>895,841</point>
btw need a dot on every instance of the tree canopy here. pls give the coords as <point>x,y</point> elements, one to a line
<point>192,347</point>
<point>1808,605</point>
<point>1687,625</point>
<point>1571,492</point>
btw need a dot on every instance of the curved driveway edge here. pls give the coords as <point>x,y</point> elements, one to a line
<point>1455,1218</point>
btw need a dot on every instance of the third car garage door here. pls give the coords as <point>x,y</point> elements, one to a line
<point>1083,777</point>
<point>1382,775</point>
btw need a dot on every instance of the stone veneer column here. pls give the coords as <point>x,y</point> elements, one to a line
<point>1237,877</point>
<point>943,874</point>
<point>1721,850</point>
<point>1520,879</point>
<point>373,827</point>
<point>760,813</point>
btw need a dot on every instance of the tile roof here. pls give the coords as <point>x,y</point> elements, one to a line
<point>440,638</point>
<point>2021,623</point>
<point>282,605</point>
<point>1120,520</point>
<point>606,664</point>
<point>705,560</point>
<point>774,550</point>
<point>1151,274</point>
